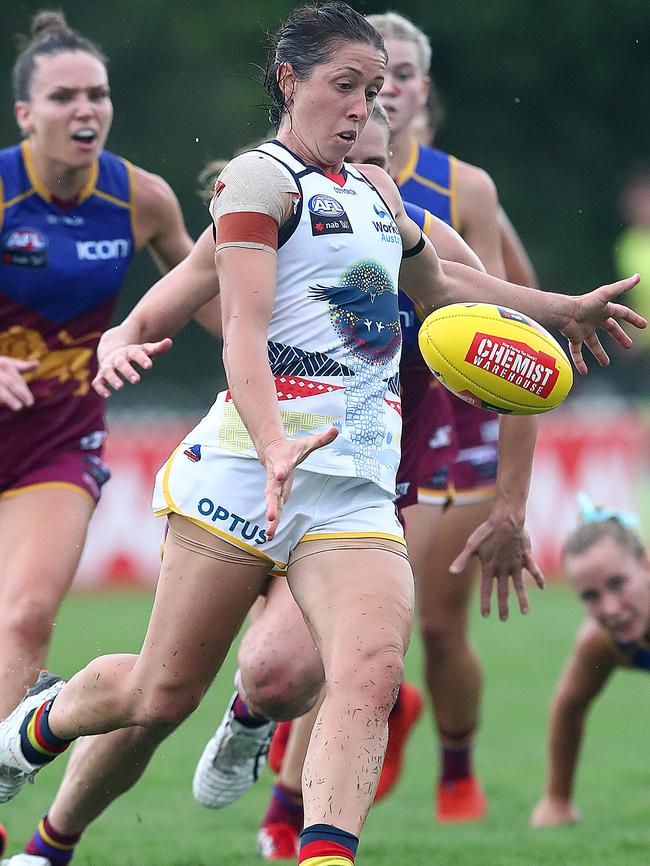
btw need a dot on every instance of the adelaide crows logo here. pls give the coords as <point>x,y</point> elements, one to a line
<point>363,311</point>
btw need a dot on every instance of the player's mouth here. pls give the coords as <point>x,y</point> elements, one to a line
<point>349,136</point>
<point>86,136</point>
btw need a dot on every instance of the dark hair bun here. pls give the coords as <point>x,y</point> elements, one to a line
<point>48,21</point>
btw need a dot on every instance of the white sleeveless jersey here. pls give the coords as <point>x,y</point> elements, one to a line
<point>334,335</point>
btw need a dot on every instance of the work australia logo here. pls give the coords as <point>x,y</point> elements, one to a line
<point>386,226</point>
<point>328,216</point>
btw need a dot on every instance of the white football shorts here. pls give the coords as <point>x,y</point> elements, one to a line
<point>224,494</point>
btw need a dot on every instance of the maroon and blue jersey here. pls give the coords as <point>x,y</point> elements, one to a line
<point>61,268</point>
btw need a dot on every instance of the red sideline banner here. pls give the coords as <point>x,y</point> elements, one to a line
<point>606,457</point>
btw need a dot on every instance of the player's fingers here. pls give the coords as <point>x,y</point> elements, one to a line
<point>502,596</point>
<point>110,377</point>
<point>318,440</point>
<point>25,366</point>
<point>535,571</point>
<point>9,399</point>
<point>158,347</point>
<point>617,333</point>
<point>486,592</point>
<point>620,286</point>
<point>126,370</point>
<point>625,314</point>
<point>596,348</point>
<point>575,350</point>
<point>459,564</point>
<point>100,387</point>
<point>520,589</point>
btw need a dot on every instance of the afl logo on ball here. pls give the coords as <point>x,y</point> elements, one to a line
<point>25,247</point>
<point>328,216</point>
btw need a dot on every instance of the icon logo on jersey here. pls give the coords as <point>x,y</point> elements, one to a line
<point>382,214</point>
<point>25,247</point>
<point>246,529</point>
<point>328,216</point>
<point>363,311</point>
<point>94,251</point>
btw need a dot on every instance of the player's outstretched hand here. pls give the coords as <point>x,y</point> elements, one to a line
<point>596,310</point>
<point>551,811</point>
<point>14,392</point>
<point>116,363</point>
<point>280,459</point>
<point>504,551</point>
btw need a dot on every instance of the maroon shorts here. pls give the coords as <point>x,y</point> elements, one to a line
<point>427,430</point>
<point>467,473</point>
<point>74,469</point>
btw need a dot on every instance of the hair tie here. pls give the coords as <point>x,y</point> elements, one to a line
<point>591,513</point>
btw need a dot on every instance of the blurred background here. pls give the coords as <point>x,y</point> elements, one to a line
<point>550,98</point>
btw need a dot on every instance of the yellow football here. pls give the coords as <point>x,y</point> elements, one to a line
<point>495,358</point>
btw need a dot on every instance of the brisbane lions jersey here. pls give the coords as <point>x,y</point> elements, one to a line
<point>61,267</point>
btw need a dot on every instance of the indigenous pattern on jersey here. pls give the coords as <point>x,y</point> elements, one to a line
<point>429,181</point>
<point>61,268</point>
<point>334,335</point>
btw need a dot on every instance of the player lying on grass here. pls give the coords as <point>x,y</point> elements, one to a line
<point>607,565</point>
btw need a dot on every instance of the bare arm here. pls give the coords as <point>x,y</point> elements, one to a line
<point>159,224</point>
<point>432,283</point>
<point>478,214</point>
<point>585,674</point>
<point>190,289</point>
<point>519,268</point>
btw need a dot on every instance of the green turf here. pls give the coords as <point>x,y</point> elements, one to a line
<point>158,823</point>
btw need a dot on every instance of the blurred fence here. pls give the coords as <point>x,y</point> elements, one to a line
<point>604,454</point>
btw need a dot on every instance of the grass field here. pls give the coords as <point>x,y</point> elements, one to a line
<point>158,823</point>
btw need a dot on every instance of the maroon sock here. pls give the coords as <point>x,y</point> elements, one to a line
<point>245,716</point>
<point>456,764</point>
<point>285,808</point>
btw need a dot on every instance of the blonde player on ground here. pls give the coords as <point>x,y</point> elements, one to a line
<point>606,564</point>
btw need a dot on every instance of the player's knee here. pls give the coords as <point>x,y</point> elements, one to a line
<point>371,680</point>
<point>441,639</point>
<point>282,687</point>
<point>30,621</point>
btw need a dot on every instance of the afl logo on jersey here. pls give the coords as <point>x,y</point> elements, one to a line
<point>25,247</point>
<point>328,216</point>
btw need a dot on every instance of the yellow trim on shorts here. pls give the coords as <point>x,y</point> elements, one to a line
<point>63,485</point>
<point>328,536</point>
<point>453,496</point>
<point>172,507</point>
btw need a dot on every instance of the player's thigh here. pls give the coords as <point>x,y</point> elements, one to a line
<point>200,604</point>
<point>357,602</point>
<point>42,534</point>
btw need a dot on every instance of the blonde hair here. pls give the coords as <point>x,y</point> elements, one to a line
<point>392,25</point>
